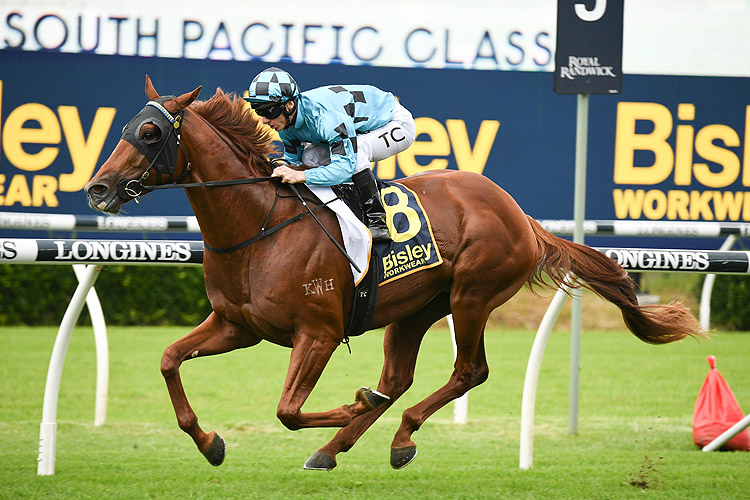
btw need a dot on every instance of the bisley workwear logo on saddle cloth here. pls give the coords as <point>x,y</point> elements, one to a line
<point>413,246</point>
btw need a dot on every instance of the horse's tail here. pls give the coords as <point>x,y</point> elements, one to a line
<point>655,324</point>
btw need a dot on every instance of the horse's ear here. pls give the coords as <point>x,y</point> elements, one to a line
<point>151,92</point>
<point>184,100</point>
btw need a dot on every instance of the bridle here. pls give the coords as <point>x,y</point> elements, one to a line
<point>162,154</point>
<point>164,120</point>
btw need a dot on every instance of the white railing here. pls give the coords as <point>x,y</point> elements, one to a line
<point>87,256</point>
<point>65,222</point>
<point>98,252</point>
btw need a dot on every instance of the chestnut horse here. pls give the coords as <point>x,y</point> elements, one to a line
<point>490,249</point>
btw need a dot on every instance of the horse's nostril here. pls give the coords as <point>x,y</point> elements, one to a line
<point>98,190</point>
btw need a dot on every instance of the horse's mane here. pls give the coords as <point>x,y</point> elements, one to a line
<point>234,118</point>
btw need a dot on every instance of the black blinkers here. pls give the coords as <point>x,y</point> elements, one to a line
<point>162,151</point>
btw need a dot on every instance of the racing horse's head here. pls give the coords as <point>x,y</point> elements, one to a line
<point>148,152</point>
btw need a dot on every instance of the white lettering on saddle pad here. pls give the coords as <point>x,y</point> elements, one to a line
<point>408,258</point>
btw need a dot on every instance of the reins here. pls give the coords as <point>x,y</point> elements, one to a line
<point>267,232</point>
<point>263,231</point>
<point>231,182</point>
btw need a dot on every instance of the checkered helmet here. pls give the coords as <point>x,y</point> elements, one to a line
<point>272,85</point>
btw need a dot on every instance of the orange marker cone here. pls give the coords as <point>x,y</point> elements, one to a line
<point>716,410</point>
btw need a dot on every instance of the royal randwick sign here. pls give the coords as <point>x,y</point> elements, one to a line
<point>589,47</point>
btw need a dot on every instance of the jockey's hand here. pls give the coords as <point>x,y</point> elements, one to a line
<point>288,175</point>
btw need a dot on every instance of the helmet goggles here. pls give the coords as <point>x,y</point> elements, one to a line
<point>268,110</point>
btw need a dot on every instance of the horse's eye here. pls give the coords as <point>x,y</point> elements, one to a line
<point>150,136</point>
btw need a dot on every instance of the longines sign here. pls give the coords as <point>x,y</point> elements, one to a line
<point>100,251</point>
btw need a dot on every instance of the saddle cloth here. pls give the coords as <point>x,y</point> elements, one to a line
<point>413,245</point>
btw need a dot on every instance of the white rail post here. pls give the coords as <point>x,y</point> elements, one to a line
<point>708,286</point>
<point>48,428</point>
<point>728,434</point>
<point>532,376</point>
<point>102,348</point>
<point>460,405</point>
<point>579,215</point>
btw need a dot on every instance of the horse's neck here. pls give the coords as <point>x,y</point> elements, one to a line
<point>229,214</point>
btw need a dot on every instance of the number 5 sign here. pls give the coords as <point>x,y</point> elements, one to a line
<point>588,58</point>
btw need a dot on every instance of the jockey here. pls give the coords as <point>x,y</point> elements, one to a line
<point>339,129</point>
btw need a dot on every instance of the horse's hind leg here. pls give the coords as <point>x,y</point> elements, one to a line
<point>400,346</point>
<point>213,336</point>
<point>471,309</point>
<point>469,371</point>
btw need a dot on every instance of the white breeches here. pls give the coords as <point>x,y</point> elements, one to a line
<point>375,145</point>
<point>386,141</point>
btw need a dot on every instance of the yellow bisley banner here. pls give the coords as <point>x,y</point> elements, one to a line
<point>32,136</point>
<point>708,165</point>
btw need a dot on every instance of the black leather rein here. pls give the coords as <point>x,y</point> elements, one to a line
<point>263,231</point>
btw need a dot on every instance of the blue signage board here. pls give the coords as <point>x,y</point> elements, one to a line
<point>665,148</point>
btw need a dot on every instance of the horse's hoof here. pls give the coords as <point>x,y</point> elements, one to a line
<point>370,397</point>
<point>216,453</point>
<point>401,457</point>
<point>320,461</point>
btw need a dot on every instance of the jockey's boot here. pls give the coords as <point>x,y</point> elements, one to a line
<point>372,205</point>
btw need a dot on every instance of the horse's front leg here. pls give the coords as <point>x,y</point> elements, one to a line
<point>310,354</point>
<point>214,336</point>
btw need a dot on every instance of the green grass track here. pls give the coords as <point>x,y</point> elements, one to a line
<point>634,439</point>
